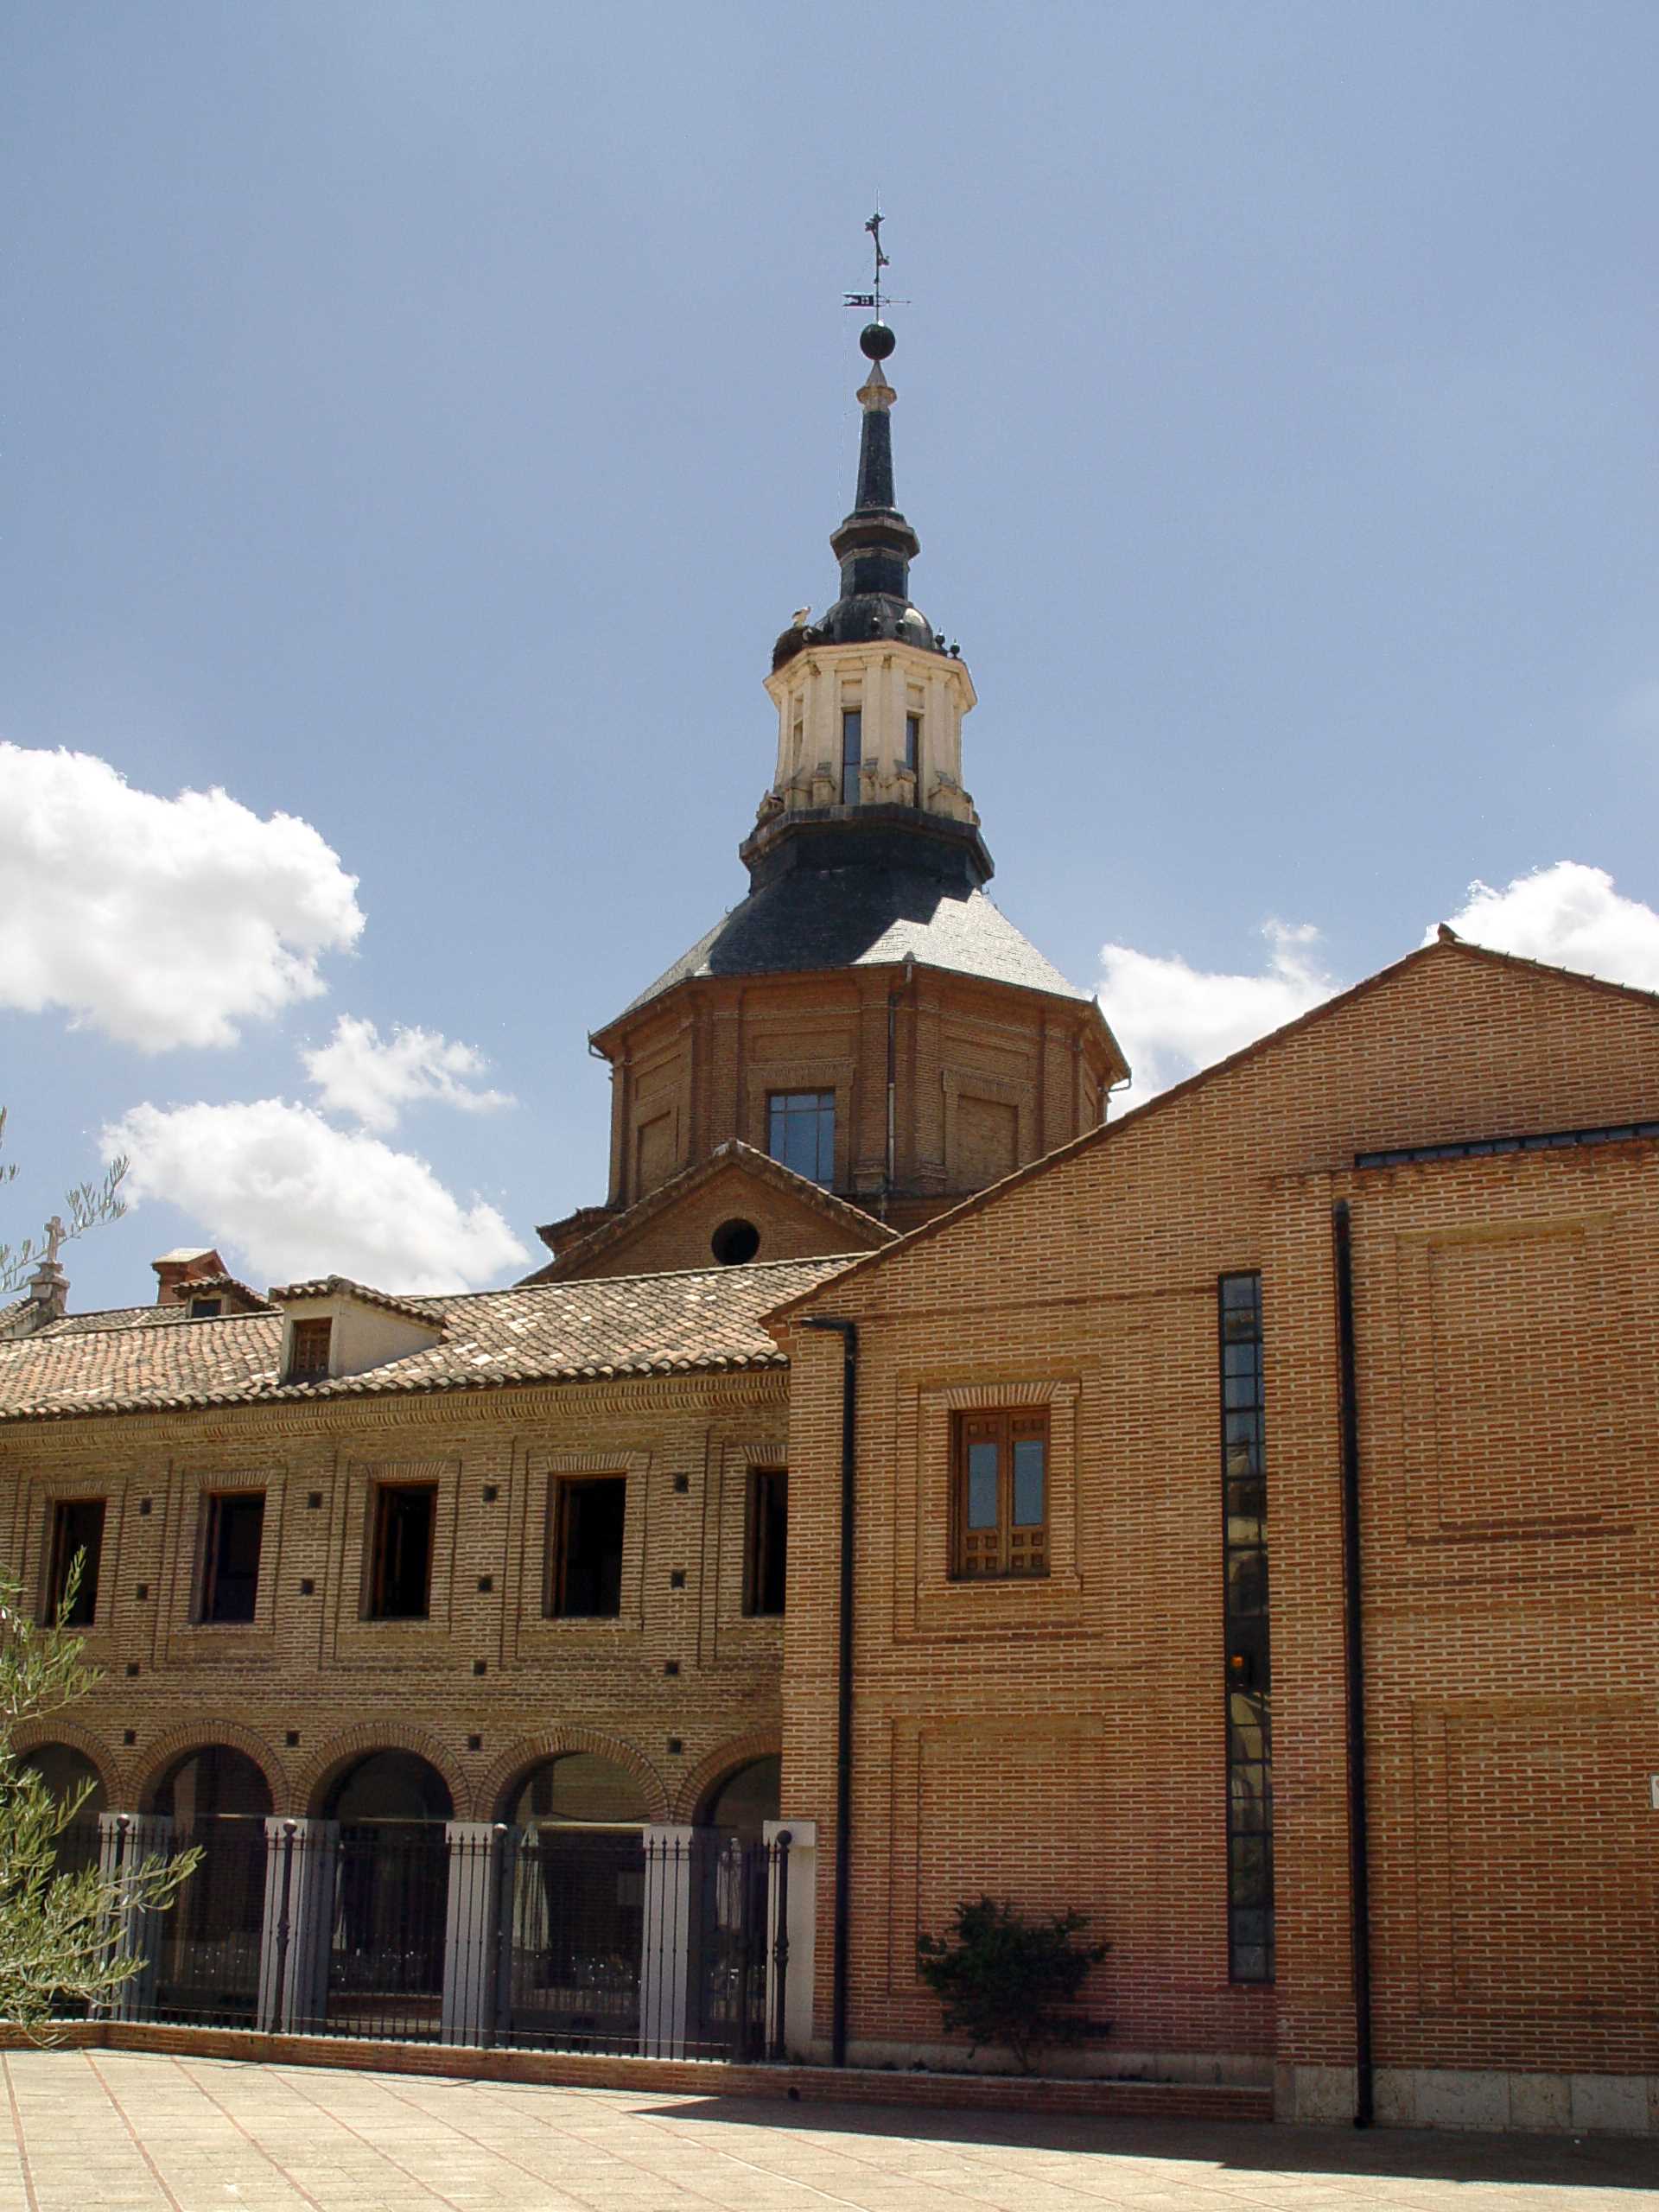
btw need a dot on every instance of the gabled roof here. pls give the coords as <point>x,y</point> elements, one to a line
<point>428,1311</point>
<point>1445,945</point>
<point>862,1230</point>
<point>704,1320</point>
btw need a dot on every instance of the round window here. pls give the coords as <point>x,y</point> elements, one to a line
<point>735,1242</point>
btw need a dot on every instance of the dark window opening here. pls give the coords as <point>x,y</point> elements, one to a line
<point>1244,1599</point>
<point>735,1242</point>
<point>801,1133</point>
<point>852,754</point>
<point>400,1579</point>
<point>308,1359</point>
<point>768,1541</point>
<point>206,1309</point>
<point>77,1534</point>
<point>1000,1501</point>
<point>230,1563</point>
<point>587,1548</point>
<point>913,754</point>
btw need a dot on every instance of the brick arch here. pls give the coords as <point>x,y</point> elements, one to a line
<point>535,1750</point>
<point>759,1743</point>
<point>341,1751</point>
<point>35,1735</point>
<point>144,1773</point>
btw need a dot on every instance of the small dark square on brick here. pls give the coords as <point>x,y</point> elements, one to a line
<point>674,1747</point>
<point>670,1665</point>
<point>474,1743</point>
<point>308,1587</point>
<point>142,1592</point>
<point>681,1484</point>
<point>292,1739</point>
<point>492,1492</point>
<point>486,1582</point>
<point>129,1737</point>
<point>480,1666</point>
<point>132,1668</point>
<point>144,1504</point>
<point>676,1579</point>
<point>313,1500</point>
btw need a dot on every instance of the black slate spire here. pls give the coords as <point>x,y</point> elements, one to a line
<point>875,545</point>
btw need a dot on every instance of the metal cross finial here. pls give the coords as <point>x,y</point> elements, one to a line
<point>874,298</point>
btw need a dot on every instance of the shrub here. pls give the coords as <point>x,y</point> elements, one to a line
<point>1001,1979</point>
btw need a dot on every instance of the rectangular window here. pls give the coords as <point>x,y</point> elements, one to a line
<point>77,1533</point>
<point>768,1541</point>
<point>400,1568</point>
<point>206,1309</point>
<point>307,1358</point>
<point>1001,1493</point>
<point>586,1577</point>
<point>1244,1602</point>
<point>913,754</point>
<point>230,1555</point>
<point>852,754</point>
<point>801,1133</point>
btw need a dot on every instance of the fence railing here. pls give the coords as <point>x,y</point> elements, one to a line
<point>671,1944</point>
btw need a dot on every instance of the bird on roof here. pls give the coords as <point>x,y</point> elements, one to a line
<point>798,620</point>
<point>1447,935</point>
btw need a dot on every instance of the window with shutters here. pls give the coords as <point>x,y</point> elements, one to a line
<point>308,1349</point>
<point>1001,1504</point>
<point>400,1563</point>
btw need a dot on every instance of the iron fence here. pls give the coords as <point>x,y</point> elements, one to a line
<point>547,1937</point>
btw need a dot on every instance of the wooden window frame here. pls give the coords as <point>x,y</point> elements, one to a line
<point>380,1514</point>
<point>317,1330</point>
<point>59,1557</point>
<point>563,1489</point>
<point>757,1561</point>
<point>1012,1551</point>
<point>214,1503</point>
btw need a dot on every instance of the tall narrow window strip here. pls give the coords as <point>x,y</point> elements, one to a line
<point>768,1539</point>
<point>913,754</point>
<point>852,754</point>
<point>1248,1679</point>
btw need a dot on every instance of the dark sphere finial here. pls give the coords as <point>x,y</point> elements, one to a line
<point>876,342</point>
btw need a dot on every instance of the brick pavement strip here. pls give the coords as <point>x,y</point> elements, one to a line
<point>107,2131</point>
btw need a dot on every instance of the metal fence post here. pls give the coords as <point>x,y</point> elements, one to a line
<point>792,1922</point>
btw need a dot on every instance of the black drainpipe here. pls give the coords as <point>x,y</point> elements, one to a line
<point>847,1331</point>
<point>1359,1850</point>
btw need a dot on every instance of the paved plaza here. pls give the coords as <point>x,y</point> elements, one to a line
<point>103,2130</point>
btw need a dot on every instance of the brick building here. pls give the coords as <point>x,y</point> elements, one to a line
<point>901,1418</point>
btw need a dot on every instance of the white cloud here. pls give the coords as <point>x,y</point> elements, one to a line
<point>1569,915</point>
<point>1172,1019</point>
<point>356,1074</point>
<point>160,921</point>
<point>274,1185</point>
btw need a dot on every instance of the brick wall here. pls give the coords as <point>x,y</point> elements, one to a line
<point>1062,1742</point>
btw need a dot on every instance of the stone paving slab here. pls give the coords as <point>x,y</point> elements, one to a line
<point>108,2130</point>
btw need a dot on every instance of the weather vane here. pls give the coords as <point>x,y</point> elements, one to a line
<point>873,298</point>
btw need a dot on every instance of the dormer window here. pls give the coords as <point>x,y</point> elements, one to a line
<point>852,753</point>
<point>206,1309</point>
<point>307,1358</point>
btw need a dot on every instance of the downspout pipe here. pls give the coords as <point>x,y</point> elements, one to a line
<point>1359,1850</point>
<point>847,1331</point>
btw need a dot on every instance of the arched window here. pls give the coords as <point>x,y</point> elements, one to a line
<point>389,1787</point>
<point>740,1803</point>
<point>213,1783</point>
<point>577,1790</point>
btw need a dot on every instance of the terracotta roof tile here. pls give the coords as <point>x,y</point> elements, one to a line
<point>123,1362</point>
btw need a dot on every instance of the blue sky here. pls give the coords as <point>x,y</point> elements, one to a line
<point>416,422</point>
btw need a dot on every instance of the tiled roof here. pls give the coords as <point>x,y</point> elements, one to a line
<point>214,1286</point>
<point>569,1332</point>
<point>429,1310</point>
<point>848,1221</point>
<point>860,917</point>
